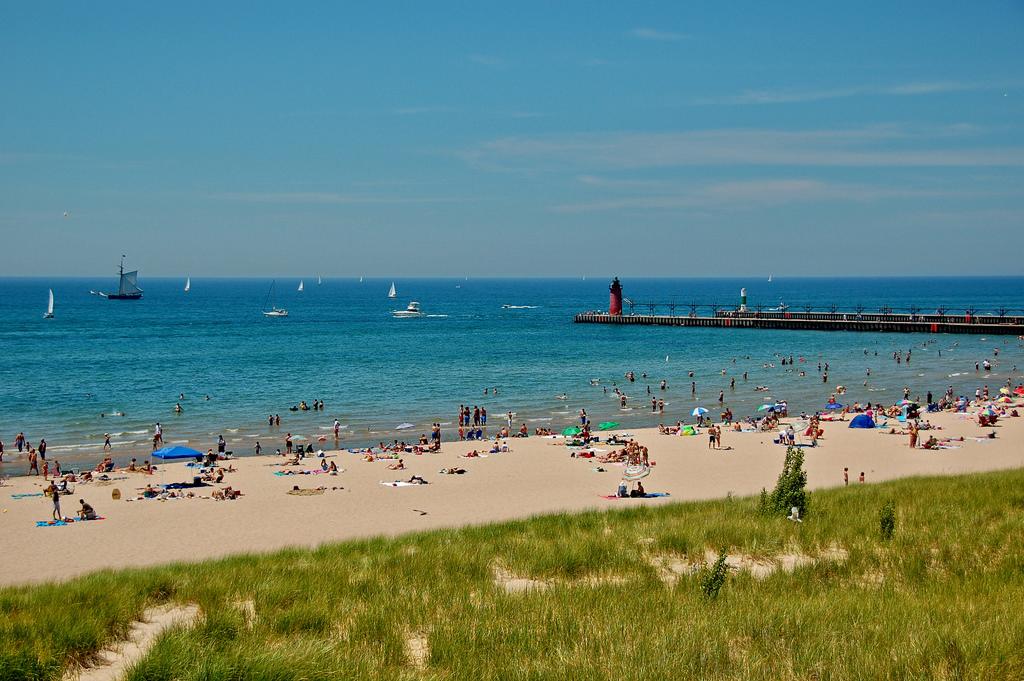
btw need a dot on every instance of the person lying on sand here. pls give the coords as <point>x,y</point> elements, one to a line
<point>452,471</point>
<point>227,494</point>
<point>416,480</point>
<point>397,466</point>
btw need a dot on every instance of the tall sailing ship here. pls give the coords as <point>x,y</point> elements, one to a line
<point>128,287</point>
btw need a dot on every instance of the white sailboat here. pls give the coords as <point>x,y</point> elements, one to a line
<point>274,310</point>
<point>319,280</point>
<point>392,293</point>
<point>188,284</point>
<point>360,280</point>
<point>769,278</point>
<point>300,286</point>
<point>49,307</point>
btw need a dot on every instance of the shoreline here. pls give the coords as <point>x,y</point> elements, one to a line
<point>536,477</point>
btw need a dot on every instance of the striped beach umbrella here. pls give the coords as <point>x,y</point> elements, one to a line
<point>635,472</point>
<point>699,411</point>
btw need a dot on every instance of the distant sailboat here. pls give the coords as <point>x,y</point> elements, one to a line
<point>319,280</point>
<point>392,293</point>
<point>49,307</point>
<point>360,280</point>
<point>769,278</point>
<point>301,287</point>
<point>128,286</point>
<point>188,284</point>
<point>274,311</point>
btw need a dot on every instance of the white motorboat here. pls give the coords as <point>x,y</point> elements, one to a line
<point>412,310</point>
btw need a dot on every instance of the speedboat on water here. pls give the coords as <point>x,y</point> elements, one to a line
<point>411,310</point>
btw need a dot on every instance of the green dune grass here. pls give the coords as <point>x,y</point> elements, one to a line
<point>943,598</point>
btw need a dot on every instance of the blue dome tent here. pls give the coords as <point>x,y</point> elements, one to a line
<point>862,421</point>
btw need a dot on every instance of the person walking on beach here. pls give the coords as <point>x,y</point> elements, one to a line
<point>19,442</point>
<point>106,442</point>
<point>846,476</point>
<point>42,444</point>
<point>33,462</point>
<point>337,429</point>
<point>258,449</point>
<point>862,477</point>
<point>1,451</point>
<point>288,443</point>
<point>913,434</point>
<point>221,445</point>
<point>55,497</point>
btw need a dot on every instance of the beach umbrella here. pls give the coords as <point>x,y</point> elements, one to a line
<point>607,425</point>
<point>1019,390</point>
<point>635,472</point>
<point>833,405</point>
<point>699,411</point>
<point>766,407</point>
<point>1005,391</point>
<point>571,430</point>
<point>176,452</point>
<point>905,403</point>
<point>1005,399</point>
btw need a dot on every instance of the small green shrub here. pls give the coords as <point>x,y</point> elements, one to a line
<point>790,489</point>
<point>887,521</point>
<point>713,578</point>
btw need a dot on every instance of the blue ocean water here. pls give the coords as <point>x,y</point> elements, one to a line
<point>341,344</point>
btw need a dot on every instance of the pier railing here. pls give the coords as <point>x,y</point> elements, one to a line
<point>830,311</point>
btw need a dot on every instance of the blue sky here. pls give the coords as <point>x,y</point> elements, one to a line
<point>521,139</point>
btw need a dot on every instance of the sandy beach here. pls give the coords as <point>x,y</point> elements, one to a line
<point>537,476</point>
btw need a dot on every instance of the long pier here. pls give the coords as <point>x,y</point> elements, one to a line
<point>824,321</point>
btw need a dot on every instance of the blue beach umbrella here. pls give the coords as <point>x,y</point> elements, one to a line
<point>699,411</point>
<point>766,407</point>
<point>833,405</point>
<point>176,452</point>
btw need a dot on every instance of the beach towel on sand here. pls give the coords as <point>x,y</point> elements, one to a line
<point>401,483</point>
<point>649,495</point>
<point>26,495</point>
<point>315,471</point>
<point>60,523</point>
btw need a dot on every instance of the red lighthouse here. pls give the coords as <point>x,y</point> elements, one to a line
<point>615,298</point>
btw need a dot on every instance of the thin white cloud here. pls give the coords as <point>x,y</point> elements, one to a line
<point>487,60</point>
<point>419,110</point>
<point>315,198</point>
<point>745,194</point>
<point>657,34</point>
<point>874,146</point>
<point>792,95</point>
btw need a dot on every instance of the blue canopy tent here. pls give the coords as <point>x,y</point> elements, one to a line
<point>176,452</point>
<point>862,421</point>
